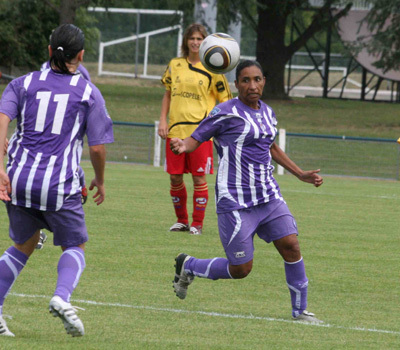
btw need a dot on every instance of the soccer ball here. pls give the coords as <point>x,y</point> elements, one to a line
<point>219,53</point>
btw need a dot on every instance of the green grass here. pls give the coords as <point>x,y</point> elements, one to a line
<point>346,157</point>
<point>348,235</point>
<point>338,117</point>
<point>141,104</point>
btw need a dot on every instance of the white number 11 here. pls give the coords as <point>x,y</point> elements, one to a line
<point>44,97</point>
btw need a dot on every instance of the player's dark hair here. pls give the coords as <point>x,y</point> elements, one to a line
<point>65,41</point>
<point>245,64</point>
<point>195,27</point>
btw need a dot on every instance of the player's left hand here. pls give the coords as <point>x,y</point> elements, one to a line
<point>312,177</point>
<point>100,194</point>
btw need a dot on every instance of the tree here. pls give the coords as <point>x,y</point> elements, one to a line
<point>270,26</point>
<point>384,21</point>
<point>67,9</point>
<point>24,32</point>
<point>27,24</point>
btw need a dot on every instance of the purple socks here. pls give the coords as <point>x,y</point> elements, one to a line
<point>70,267</point>
<point>213,269</point>
<point>218,268</point>
<point>297,282</point>
<point>11,264</point>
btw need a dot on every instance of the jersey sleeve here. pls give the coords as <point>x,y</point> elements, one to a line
<point>84,72</point>
<point>209,127</point>
<point>10,100</point>
<point>166,79</point>
<point>221,89</point>
<point>99,128</point>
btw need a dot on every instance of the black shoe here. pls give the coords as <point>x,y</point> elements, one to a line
<point>179,227</point>
<point>182,280</point>
<point>42,239</point>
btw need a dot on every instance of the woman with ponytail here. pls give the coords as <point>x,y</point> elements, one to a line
<point>54,110</point>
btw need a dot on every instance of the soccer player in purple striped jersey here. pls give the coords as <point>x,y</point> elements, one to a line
<point>248,197</point>
<point>41,186</point>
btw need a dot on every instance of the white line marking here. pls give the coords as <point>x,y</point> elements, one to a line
<point>352,195</point>
<point>213,314</point>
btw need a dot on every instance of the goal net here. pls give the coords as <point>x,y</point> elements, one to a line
<point>137,42</point>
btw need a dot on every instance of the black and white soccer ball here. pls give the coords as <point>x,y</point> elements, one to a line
<point>219,53</point>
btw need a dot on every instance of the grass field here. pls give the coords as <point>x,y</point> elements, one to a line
<point>349,239</point>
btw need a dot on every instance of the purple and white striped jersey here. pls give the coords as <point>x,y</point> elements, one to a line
<point>242,137</point>
<point>81,70</point>
<point>54,112</point>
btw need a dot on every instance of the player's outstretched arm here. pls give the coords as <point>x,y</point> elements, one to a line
<point>5,146</point>
<point>98,158</point>
<point>309,176</point>
<point>187,145</point>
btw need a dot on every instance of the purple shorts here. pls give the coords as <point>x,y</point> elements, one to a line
<point>68,226</point>
<point>270,221</point>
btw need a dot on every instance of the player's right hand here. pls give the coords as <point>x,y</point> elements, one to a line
<point>5,187</point>
<point>177,146</point>
<point>163,129</point>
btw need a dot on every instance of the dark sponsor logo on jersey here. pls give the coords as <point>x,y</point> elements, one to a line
<point>214,111</point>
<point>186,94</point>
<point>220,86</point>
<point>168,80</point>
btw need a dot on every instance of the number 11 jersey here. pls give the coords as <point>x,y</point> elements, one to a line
<point>53,113</point>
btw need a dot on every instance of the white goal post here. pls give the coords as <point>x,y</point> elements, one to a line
<point>282,145</point>
<point>136,37</point>
<point>157,145</point>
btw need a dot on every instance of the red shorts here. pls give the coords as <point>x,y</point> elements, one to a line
<point>198,162</point>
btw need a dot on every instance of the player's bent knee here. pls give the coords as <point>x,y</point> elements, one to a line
<point>240,271</point>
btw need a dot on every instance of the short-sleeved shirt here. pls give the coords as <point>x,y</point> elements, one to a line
<point>242,137</point>
<point>194,93</point>
<point>81,70</point>
<point>53,111</point>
